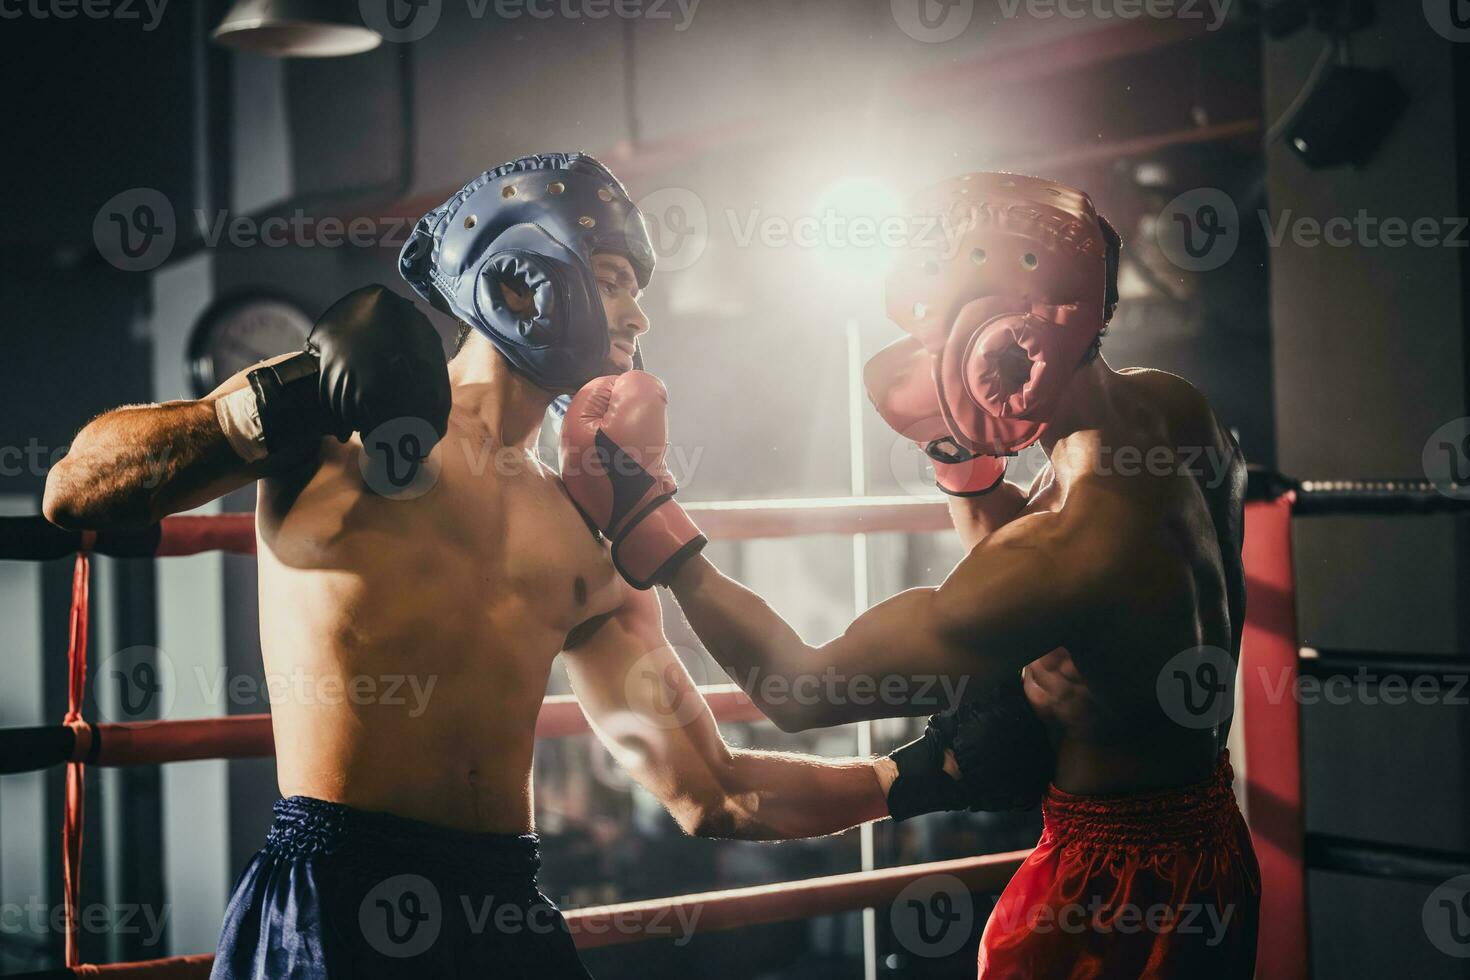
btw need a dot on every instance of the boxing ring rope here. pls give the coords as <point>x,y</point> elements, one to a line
<point>141,743</point>
<point>736,908</point>
<point>36,539</point>
<point>1270,725</point>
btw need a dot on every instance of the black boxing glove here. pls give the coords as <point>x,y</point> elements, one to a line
<point>1004,752</point>
<point>372,357</point>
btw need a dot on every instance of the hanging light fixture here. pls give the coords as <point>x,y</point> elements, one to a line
<point>296,28</point>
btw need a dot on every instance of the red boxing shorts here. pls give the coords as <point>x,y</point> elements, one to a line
<point>1161,885</point>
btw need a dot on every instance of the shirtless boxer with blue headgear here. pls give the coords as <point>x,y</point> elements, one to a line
<point>404,846</point>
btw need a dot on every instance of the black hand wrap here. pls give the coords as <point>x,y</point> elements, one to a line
<point>286,396</point>
<point>1005,757</point>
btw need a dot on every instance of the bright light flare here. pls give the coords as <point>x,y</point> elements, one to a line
<point>859,228</point>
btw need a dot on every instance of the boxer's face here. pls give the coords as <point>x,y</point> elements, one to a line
<point>618,287</point>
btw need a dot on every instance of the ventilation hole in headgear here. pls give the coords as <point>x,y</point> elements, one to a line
<point>1030,261</point>
<point>507,192</point>
<point>604,194</point>
<point>469,221</point>
<point>931,268</point>
<point>920,310</point>
<point>978,256</point>
<point>555,187</point>
<point>586,222</point>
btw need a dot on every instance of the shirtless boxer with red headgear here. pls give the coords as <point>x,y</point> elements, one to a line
<point>406,527</point>
<point>1073,597</point>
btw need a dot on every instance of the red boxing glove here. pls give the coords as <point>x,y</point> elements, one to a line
<point>900,383</point>
<point>613,444</point>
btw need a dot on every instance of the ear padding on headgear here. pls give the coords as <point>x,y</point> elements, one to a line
<point>566,319</point>
<point>1005,364</point>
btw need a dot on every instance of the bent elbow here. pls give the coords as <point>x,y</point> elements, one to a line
<point>716,820</point>
<point>794,717</point>
<point>790,721</point>
<point>61,503</point>
<point>76,500</point>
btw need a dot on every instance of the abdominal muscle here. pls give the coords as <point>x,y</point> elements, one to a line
<point>435,723</point>
<point>1105,750</point>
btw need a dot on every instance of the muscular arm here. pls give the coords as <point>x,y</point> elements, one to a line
<point>647,711</point>
<point>975,517</point>
<point>136,464</point>
<point>1021,592</point>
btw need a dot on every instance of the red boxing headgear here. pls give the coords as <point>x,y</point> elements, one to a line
<point>1006,289</point>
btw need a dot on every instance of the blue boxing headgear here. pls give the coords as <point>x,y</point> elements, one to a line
<point>532,222</point>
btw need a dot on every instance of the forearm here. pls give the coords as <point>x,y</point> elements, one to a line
<point>901,658</point>
<point>135,465</point>
<point>778,796</point>
<point>976,517</point>
<point>756,647</point>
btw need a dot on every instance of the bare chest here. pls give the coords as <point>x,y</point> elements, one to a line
<point>500,544</point>
<point>528,543</point>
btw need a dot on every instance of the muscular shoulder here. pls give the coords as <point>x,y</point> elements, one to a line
<point>1184,424</point>
<point>1075,556</point>
<point>1183,407</point>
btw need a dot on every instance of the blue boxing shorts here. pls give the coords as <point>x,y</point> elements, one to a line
<point>339,892</point>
